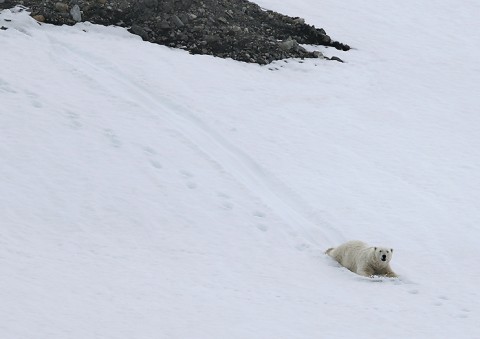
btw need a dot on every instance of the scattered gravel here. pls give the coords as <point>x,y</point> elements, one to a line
<point>236,29</point>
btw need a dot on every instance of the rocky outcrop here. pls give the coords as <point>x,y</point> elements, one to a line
<point>236,29</point>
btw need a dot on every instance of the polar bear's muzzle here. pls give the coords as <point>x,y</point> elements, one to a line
<point>384,257</point>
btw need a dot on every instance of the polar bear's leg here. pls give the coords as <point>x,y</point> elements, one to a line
<point>366,272</point>
<point>389,273</point>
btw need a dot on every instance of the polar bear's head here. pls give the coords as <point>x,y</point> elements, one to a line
<point>383,254</point>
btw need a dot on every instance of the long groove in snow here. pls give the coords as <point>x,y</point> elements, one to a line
<point>239,165</point>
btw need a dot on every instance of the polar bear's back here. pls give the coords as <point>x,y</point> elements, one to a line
<point>349,253</point>
<point>354,246</point>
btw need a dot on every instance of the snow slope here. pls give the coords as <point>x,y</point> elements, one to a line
<point>148,193</point>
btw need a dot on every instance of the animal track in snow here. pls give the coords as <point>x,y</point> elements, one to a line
<point>440,300</point>
<point>112,137</point>
<point>33,99</point>
<point>5,87</point>
<point>73,119</point>
<point>227,205</point>
<point>155,164</point>
<point>262,227</point>
<point>223,195</point>
<point>150,152</point>
<point>187,175</point>
<point>259,214</point>
<point>191,185</point>
<point>302,246</point>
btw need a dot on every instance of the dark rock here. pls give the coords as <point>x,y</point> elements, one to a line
<point>289,45</point>
<point>164,25</point>
<point>75,13</point>
<point>61,7</point>
<point>236,29</point>
<point>39,18</point>
<point>136,29</point>
<point>176,20</point>
<point>211,38</point>
<point>150,3</point>
<point>299,21</point>
<point>336,59</point>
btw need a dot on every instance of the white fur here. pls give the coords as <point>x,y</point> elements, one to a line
<point>362,259</point>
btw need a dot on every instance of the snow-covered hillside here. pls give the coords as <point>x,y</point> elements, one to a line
<point>147,193</point>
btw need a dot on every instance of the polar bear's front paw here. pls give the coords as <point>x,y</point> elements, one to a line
<point>391,275</point>
<point>366,273</point>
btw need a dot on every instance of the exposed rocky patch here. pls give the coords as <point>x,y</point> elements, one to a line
<point>236,29</point>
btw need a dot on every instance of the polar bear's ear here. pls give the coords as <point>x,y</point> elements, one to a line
<point>391,250</point>
<point>375,248</point>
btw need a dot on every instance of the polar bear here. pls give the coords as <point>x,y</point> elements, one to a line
<point>362,259</point>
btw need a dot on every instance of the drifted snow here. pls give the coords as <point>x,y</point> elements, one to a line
<point>148,193</point>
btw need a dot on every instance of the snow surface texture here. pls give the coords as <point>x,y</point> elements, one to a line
<point>149,193</point>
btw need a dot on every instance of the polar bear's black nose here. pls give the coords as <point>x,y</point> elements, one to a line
<point>384,257</point>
